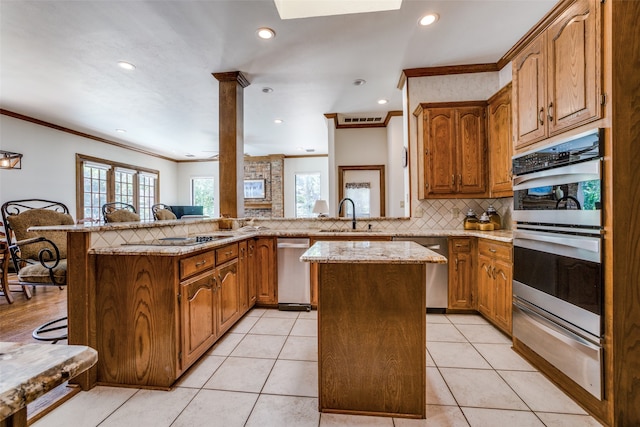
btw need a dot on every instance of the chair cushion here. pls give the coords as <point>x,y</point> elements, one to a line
<point>40,217</point>
<point>122,215</point>
<point>36,273</point>
<point>165,214</point>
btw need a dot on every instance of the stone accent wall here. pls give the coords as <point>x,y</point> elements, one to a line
<point>271,169</point>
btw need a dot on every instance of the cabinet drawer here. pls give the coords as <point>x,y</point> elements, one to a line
<point>460,245</point>
<point>226,253</point>
<point>495,249</point>
<point>196,263</point>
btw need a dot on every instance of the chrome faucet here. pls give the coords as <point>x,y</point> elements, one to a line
<point>353,206</point>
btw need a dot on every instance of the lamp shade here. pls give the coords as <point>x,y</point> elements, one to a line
<point>321,207</point>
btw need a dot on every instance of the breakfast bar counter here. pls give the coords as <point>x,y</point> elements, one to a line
<point>372,326</point>
<point>27,371</point>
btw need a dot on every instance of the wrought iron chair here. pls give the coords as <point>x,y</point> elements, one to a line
<point>119,212</point>
<point>39,257</point>
<point>161,211</point>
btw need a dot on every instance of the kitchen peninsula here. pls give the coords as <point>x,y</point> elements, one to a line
<point>372,326</point>
<point>151,311</point>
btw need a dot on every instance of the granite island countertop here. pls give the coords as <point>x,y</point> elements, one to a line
<point>27,371</point>
<point>366,252</point>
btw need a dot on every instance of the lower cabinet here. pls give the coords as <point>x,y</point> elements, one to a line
<point>462,288</point>
<point>494,274</point>
<point>198,313</point>
<point>228,295</point>
<point>156,315</point>
<point>265,264</point>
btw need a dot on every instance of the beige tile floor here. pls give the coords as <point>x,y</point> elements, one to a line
<point>264,373</point>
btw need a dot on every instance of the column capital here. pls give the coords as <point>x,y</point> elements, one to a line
<point>232,76</point>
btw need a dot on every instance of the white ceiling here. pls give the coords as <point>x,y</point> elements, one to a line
<point>58,63</point>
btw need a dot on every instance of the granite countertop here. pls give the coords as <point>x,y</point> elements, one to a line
<point>366,252</point>
<point>27,371</point>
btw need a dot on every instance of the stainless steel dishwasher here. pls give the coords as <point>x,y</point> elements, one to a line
<point>437,274</point>
<point>294,288</point>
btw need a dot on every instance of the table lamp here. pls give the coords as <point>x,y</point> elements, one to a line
<point>321,208</point>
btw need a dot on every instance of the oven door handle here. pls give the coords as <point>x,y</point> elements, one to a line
<point>591,244</point>
<point>587,171</point>
<point>551,327</point>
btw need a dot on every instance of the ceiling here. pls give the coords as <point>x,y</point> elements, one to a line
<point>58,63</point>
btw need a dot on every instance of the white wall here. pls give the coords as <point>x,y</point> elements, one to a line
<point>189,170</point>
<point>294,165</point>
<point>49,168</point>
<point>396,175</point>
<point>358,147</point>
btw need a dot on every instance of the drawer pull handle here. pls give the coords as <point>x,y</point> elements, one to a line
<point>492,250</point>
<point>228,253</point>
<point>201,263</point>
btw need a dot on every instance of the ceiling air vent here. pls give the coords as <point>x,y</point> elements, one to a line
<point>361,120</point>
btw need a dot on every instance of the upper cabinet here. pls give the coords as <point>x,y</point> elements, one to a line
<point>499,135</point>
<point>557,76</point>
<point>452,142</point>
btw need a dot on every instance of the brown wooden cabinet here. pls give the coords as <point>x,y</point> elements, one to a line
<point>462,283</point>
<point>156,315</point>
<point>198,311</point>
<point>265,275</point>
<point>228,295</point>
<point>500,143</point>
<point>452,143</point>
<point>557,76</point>
<point>494,276</point>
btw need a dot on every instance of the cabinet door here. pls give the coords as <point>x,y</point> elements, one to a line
<point>461,277</point>
<point>500,143</point>
<point>441,151</point>
<point>529,93</point>
<point>198,308</point>
<point>243,282</point>
<point>573,83</point>
<point>251,272</point>
<point>503,295</point>
<point>228,295</point>
<point>471,150</point>
<point>265,271</point>
<point>485,285</point>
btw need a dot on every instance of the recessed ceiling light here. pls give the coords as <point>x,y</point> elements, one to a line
<point>266,33</point>
<point>278,121</point>
<point>267,90</point>
<point>382,101</point>
<point>359,82</point>
<point>126,65</point>
<point>428,19</point>
<point>121,130</point>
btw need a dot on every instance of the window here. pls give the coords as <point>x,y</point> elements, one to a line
<point>94,190</point>
<point>101,181</point>
<point>202,191</point>
<point>307,192</point>
<point>146,194</point>
<point>360,193</point>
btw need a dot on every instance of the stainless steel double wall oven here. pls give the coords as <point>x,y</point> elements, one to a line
<point>557,272</point>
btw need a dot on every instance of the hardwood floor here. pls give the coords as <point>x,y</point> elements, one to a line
<point>17,322</point>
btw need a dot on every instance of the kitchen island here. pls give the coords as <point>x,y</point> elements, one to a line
<point>372,326</point>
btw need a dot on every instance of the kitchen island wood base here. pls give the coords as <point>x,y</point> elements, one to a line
<point>372,339</point>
